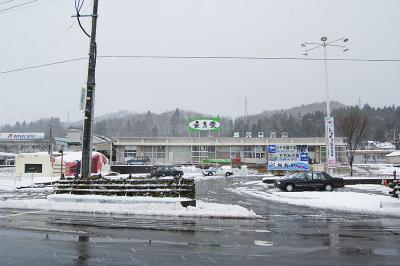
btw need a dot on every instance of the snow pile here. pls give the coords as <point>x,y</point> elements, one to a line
<point>373,188</point>
<point>190,171</point>
<point>337,200</point>
<point>11,183</point>
<point>144,206</point>
<point>393,154</point>
<point>70,198</point>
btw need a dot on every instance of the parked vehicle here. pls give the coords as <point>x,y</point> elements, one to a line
<point>309,181</point>
<point>165,170</point>
<point>226,171</point>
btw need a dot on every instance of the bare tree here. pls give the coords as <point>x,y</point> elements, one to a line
<point>351,125</point>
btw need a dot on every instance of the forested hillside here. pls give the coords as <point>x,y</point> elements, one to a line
<point>296,121</point>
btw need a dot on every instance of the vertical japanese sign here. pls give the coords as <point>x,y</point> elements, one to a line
<point>288,157</point>
<point>330,142</point>
<point>82,101</point>
<point>205,124</point>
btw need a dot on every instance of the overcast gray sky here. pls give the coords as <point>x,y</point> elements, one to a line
<point>37,33</point>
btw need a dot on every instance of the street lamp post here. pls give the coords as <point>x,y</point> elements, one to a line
<point>329,123</point>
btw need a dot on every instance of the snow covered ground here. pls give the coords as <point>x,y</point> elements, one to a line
<point>10,183</point>
<point>129,205</point>
<point>372,188</point>
<point>341,200</point>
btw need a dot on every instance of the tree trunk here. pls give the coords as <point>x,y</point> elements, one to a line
<point>351,159</point>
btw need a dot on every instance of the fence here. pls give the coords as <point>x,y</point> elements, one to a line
<point>151,187</point>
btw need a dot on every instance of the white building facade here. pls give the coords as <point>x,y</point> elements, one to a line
<point>174,150</point>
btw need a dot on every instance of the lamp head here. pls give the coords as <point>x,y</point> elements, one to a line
<point>345,40</point>
<point>324,39</point>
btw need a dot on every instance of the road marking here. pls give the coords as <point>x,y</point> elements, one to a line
<point>23,213</point>
<point>134,260</point>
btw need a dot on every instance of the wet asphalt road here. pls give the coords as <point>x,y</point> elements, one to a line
<point>286,235</point>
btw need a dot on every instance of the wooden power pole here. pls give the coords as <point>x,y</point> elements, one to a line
<point>86,162</point>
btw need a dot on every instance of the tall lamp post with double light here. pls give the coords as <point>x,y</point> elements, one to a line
<point>329,123</point>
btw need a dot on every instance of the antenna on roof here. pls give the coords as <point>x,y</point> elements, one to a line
<point>246,110</point>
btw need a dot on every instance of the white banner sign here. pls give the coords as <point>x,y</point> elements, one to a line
<point>204,124</point>
<point>21,136</point>
<point>330,142</point>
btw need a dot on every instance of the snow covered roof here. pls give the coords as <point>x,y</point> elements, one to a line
<point>75,156</point>
<point>381,145</point>
<point>393,154</point>
<point>7,154</point>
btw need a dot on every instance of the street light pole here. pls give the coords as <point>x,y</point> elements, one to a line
<point>328,109</point>
<point>329,122</point>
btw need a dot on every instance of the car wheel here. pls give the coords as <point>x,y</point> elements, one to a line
<point>210,173</point>
<point>328,187</point>
<point>227,174</point>
<point>289,187</point>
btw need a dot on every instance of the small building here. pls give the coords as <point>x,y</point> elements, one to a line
<point>393,158</point>
<point>100,143</point>
<point>38,164</point>
<point>41,164</point>
<point>11,142</point>
<point>371,156</point>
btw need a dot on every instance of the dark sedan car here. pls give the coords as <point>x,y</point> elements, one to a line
<point>165,170</point>
<point>309,181</point>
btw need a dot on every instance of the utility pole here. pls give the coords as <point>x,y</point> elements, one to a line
<point>50,140</point>
<point>86,162</point>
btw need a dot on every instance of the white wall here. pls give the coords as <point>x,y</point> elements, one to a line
<point>33,158</point>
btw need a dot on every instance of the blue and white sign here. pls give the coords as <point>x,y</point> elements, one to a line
<point>288,157</point>
<point>271,148</point>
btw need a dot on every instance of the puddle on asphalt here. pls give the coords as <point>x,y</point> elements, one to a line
<point>386,252</point>
<point>263,243</point>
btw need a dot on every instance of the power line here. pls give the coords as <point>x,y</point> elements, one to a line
<point>248,58</point>
<point>199,57</point>
<point>5,2</point>
<point>43,65</point>
<point>23,4</point>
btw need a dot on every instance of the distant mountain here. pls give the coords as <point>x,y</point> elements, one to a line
<point>306,108</point>
<point>300,121</point>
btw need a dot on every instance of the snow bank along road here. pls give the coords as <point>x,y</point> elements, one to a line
<point>353,200</point>
<point>286,235</point>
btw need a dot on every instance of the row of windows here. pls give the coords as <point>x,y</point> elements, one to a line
<point>198,153</point>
